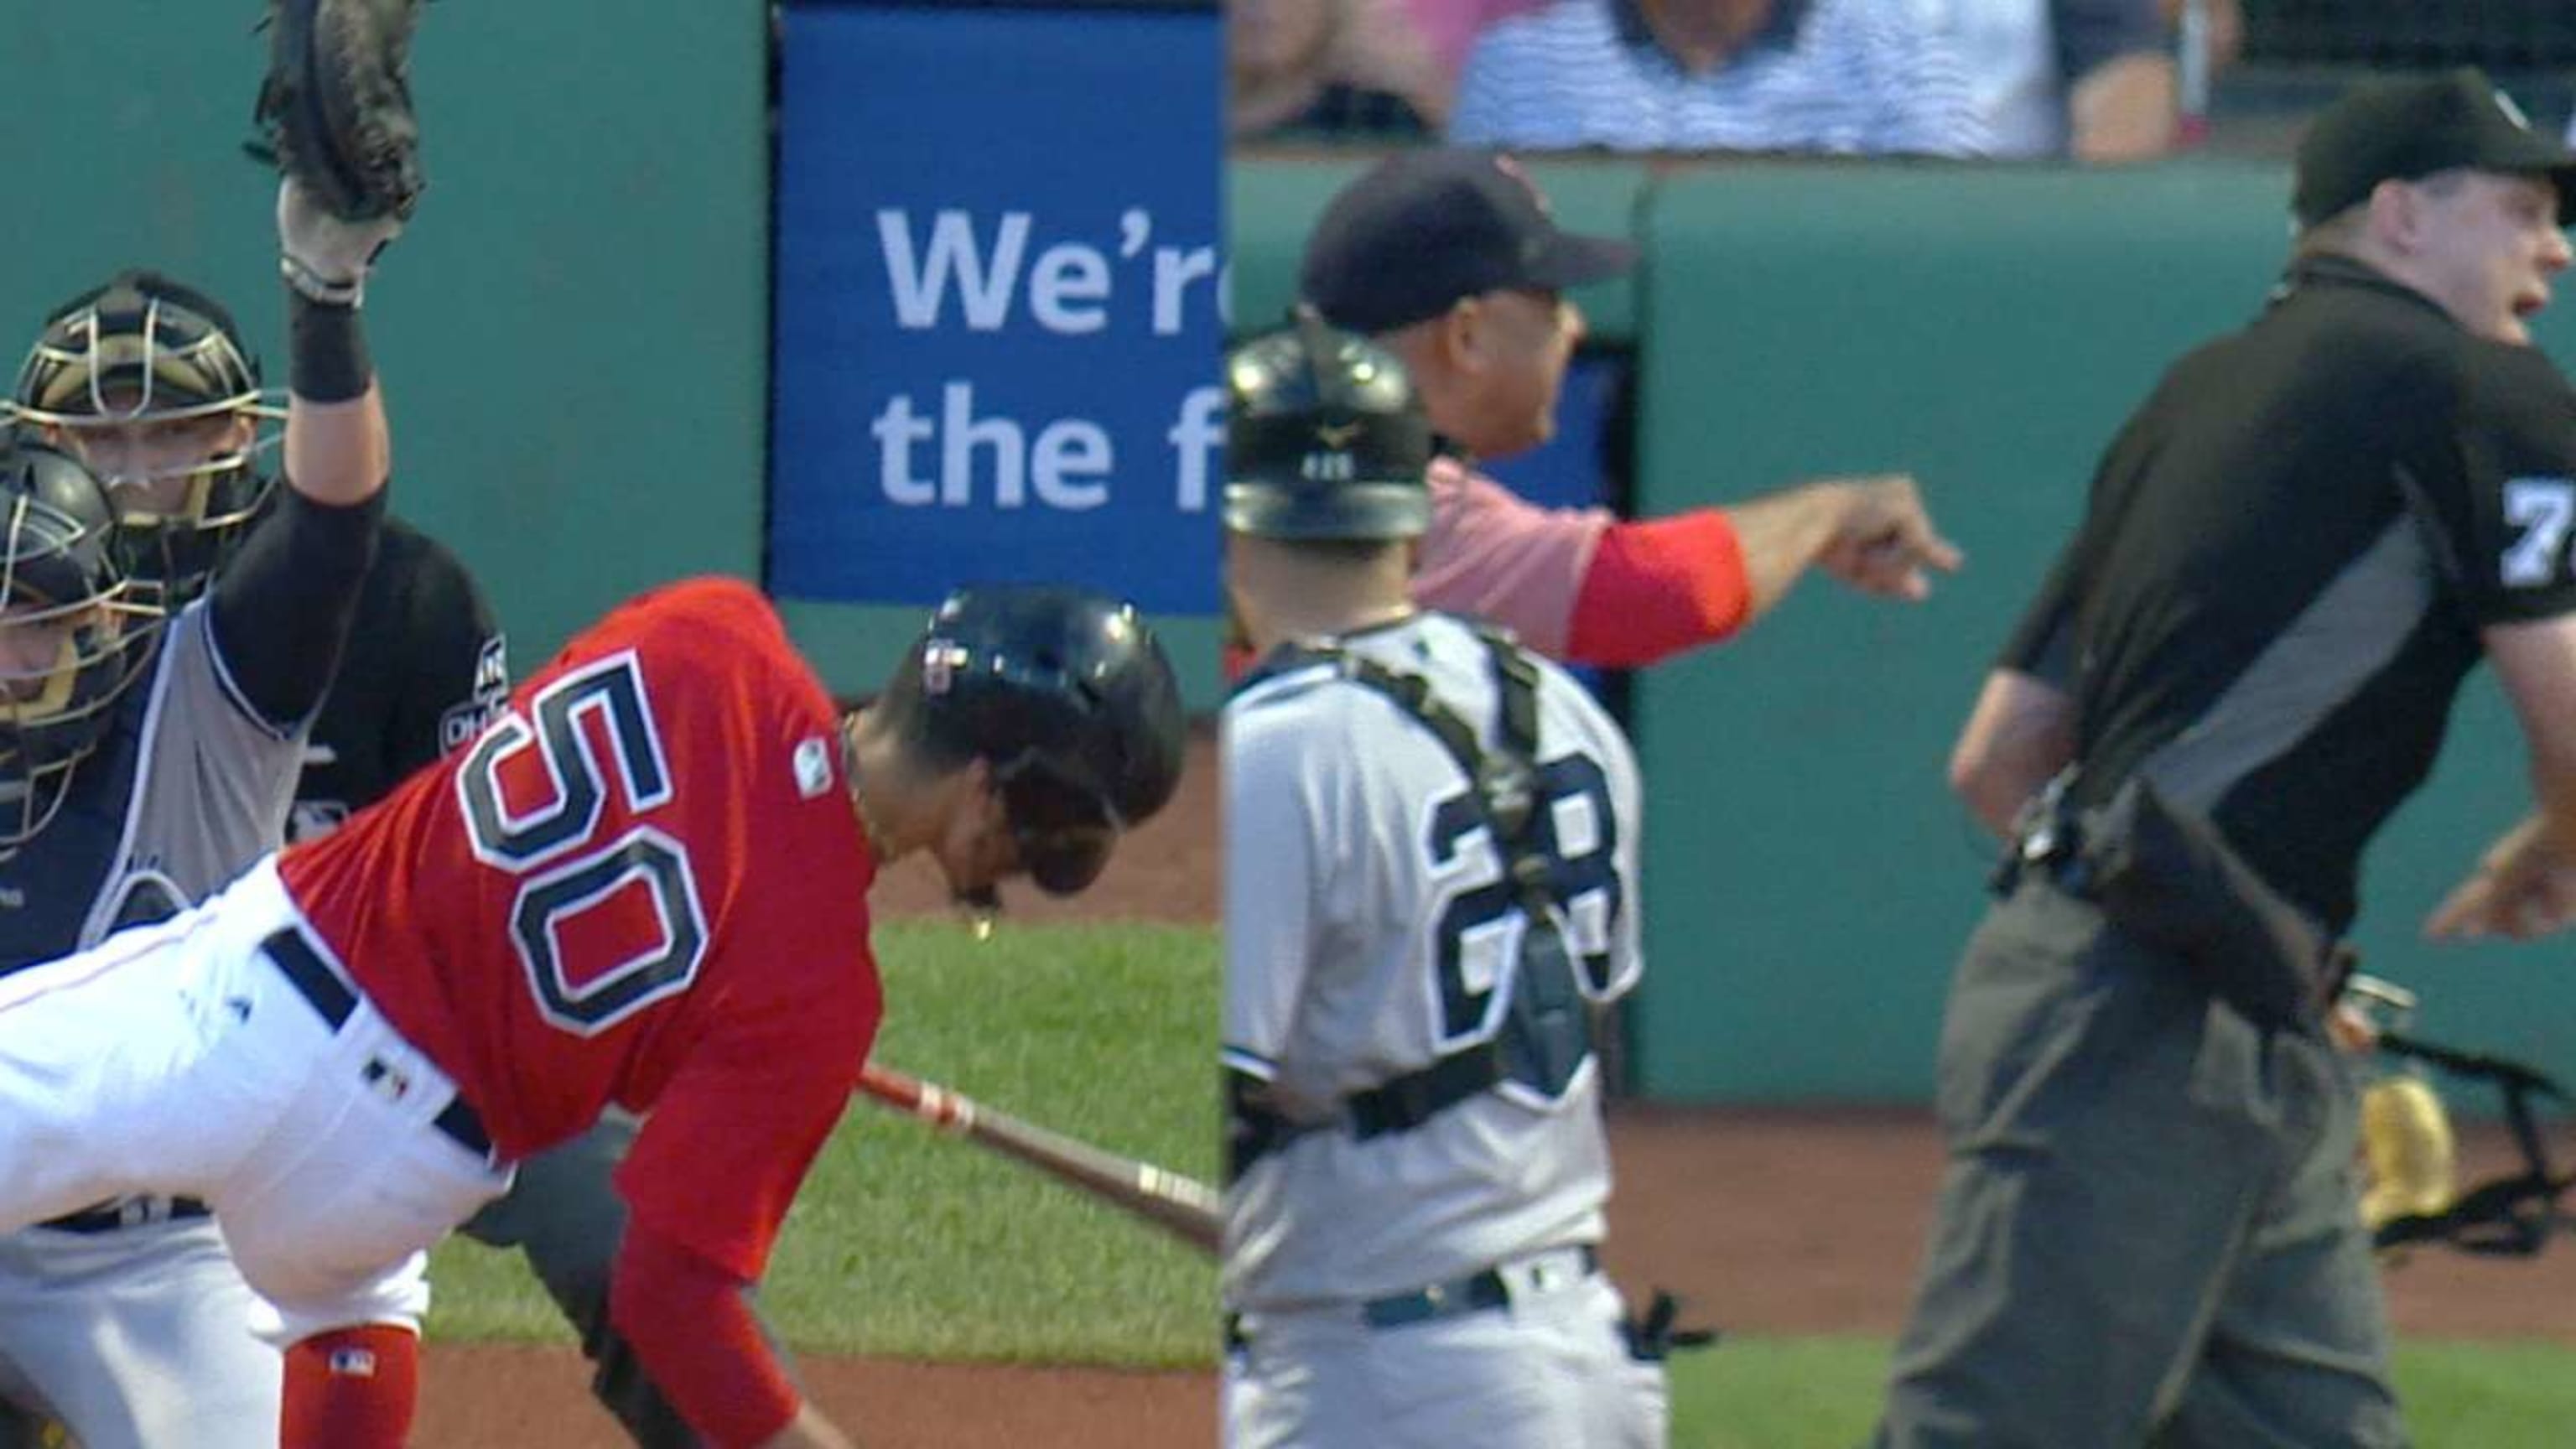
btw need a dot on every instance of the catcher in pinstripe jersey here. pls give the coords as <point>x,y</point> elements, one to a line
<point>1431,890</point>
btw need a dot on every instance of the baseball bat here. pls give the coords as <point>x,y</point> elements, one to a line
<point>1174,1201</point>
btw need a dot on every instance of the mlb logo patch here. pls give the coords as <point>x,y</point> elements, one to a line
<point>940,661</point>
<point>813,762</point>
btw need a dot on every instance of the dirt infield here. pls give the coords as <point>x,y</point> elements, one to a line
<point>1812,1221</point>
<point>495,1397</point>
<point>1768,1222</point>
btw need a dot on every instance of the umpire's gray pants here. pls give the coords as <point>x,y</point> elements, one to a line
<point>2147,1233</point>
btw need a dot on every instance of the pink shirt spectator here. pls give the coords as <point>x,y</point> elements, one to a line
<point>1450,26</point>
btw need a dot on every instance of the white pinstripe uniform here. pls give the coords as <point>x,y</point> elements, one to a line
<point>1368,935</point>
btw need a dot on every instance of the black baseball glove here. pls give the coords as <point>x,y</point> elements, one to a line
<point>335,112</point>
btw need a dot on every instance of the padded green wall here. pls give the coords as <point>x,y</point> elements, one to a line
<point>573,336</point>
<point>1809,879</point>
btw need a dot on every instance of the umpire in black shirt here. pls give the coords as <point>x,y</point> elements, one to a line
<point>2293,553</point>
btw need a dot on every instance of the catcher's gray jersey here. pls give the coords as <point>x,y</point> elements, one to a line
<point>190,786</point>
<point>141,1335</point>
<point>1368,933</point>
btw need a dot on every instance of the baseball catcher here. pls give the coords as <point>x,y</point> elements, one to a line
<point>122,809</point>
<point>2414,1196</point>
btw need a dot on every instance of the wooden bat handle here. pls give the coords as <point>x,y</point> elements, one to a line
<point>1174,1201</point>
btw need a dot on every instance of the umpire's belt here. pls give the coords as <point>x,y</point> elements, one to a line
<point>334,998</point>
<point>2167,876</point>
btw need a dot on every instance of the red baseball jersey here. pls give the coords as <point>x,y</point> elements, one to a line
<point>644,884</point>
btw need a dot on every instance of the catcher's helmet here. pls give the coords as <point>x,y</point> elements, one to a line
<point>70,638</point>
<point>1069,696</point>
<point>143,349</point>
<point>1324,439</point>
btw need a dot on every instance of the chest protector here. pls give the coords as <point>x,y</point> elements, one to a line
<point>1546,1030</point>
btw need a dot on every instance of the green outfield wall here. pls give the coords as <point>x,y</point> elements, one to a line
<point>1808,879</point>
<point>572,336</point>
<point>574,340</point>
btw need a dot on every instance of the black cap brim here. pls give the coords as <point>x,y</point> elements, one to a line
<point>2532,154</point>
<point>1567,261</point>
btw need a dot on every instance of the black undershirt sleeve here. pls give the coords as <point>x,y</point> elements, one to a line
<point>282,606</point>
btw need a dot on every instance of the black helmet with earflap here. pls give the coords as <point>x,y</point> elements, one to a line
<point>1069,697</point>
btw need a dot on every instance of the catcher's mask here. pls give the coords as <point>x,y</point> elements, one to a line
<point>1069,698</point>
<point>144,357</point>
<point>1324,439</point>
<point>71,637</point>
<point>2514,1214</point>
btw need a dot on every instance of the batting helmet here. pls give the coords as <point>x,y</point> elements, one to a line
<point>141,350</point>
<point>1069,696</point>
<point>70,638</point>
<point>1324,439</point>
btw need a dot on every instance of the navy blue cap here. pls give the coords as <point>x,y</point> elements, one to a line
<point>1425,228</point>
<point>2405,130</point>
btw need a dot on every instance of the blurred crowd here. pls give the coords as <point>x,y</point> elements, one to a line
<point>2090,80</point>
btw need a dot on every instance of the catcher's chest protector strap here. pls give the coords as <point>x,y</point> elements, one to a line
<point>1546,1033</point>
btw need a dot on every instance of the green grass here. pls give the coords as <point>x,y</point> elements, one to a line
<point>1822,1393</point>
<point>907,1243</point>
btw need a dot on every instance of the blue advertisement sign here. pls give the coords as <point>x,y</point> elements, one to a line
<point>997,302</point>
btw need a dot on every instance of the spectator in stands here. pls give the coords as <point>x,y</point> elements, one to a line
<point>1449,27</point>
<point>2089,79</point>
<point>1847,76</point>
<point>1330,68</point>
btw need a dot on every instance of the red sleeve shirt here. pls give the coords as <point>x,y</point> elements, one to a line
<point>1659,586</point>
<point>1494,555</point>
<point>1578,584</point>
<point>688,1321</point>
